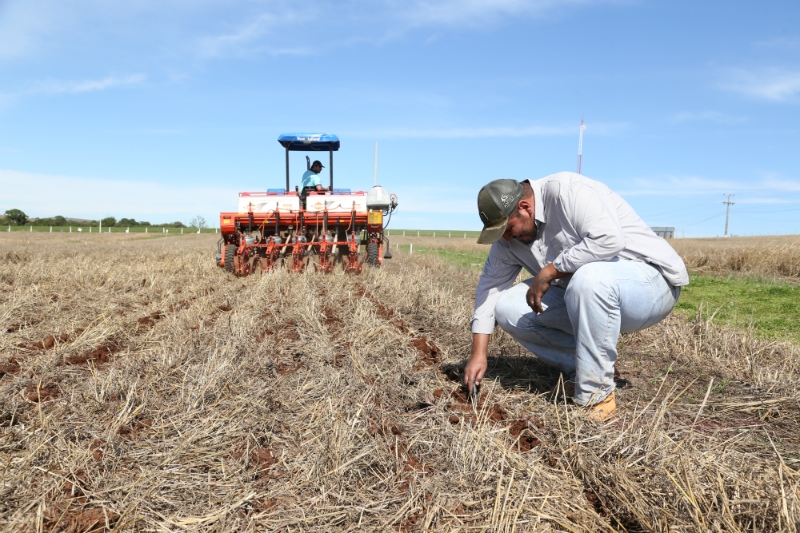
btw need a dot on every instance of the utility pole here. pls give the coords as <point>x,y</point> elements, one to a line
<point>728,211</point>
<point>580,146</point>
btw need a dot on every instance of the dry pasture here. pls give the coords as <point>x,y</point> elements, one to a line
<point>144,389</point>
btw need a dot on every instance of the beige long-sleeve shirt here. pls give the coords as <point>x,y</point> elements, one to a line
<point>579,221</point>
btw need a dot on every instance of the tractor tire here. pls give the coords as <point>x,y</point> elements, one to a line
<point>230,254</point>
<point>372,253</point>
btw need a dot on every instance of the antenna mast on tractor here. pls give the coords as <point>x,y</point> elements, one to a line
<point>580,146</point>
<point>375,167</point>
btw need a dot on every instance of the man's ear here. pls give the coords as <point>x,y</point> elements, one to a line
<point>526,204</point>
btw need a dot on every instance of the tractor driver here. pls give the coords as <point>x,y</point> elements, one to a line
<point>311,181</point>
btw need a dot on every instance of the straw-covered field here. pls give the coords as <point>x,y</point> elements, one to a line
<point>142,388</point>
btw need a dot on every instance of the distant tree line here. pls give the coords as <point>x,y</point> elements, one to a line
<point>17,217</point>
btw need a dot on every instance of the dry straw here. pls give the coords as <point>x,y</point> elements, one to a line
<point>146,389</point>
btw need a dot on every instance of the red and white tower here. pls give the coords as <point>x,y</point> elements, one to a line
<point>580,146</point>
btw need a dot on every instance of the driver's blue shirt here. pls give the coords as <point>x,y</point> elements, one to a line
<point>311,179</point>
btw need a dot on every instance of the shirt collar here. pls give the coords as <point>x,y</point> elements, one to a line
<point>538,204</point>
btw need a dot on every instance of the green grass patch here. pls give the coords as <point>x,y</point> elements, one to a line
<point>470,260</point>
<point>447,233</point>
<point>771,306</point>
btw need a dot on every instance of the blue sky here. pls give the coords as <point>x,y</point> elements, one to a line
<point>163,110</point>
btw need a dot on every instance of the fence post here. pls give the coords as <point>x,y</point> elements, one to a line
<point>404,233</point>
<point>9,228</point>
<point>70,229</point>
<point>465,234</point>
<point>51,229</point>
<point>417,233</point>
<point>182,230</point>
<point>411,248</point>
<point>449,234</point>
<point>90,229</point>
<point>145,229</point>
<point>31,229</point>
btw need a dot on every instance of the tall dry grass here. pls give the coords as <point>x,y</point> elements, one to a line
<point>146,389</point>
<point>761,256</point>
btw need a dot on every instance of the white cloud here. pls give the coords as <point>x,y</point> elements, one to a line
<point>213,28</point>
<point>41,195</point>
<point>248,37</point>
<point>473,13</point>
<point>774,84</point>
<point>83,86</point>
<point>712,116</point>
<point>775,183</point>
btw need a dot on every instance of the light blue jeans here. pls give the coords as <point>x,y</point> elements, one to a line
<point>578,331</point>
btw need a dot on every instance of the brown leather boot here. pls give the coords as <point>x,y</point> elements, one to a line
<point>603,410</point>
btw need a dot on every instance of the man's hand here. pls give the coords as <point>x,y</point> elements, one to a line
<point>540,285</point>
<point>476,367</point>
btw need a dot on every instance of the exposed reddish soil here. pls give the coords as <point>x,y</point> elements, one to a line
<point>427,352</point>
<point>41,393</point>
<point>11,366</point>
<point>524,439</point>
<point>98,449</point>
<point>150,320</point>
<point>134,430</point>
<point>76,520</point>
<point>46,343</point>
<point>101,354</point>
<point>225,308</point>
<point>263,457</point>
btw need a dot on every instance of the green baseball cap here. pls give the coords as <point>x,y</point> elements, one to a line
<point>496,201</point>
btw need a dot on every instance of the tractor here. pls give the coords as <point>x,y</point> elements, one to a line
<point>295,228</point>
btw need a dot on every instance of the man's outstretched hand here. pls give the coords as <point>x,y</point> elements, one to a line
<point>540,285</point>
<point>476,367</point>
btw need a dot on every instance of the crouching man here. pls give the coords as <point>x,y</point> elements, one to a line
<point>598,270</point>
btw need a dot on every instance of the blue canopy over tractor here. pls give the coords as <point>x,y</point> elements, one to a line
<point>309,142</point>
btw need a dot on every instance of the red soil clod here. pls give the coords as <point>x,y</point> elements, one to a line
<point>43,393</point>
<point>497,413</point>
<point>101,354</point>
<point>426,350</point>
<point>454,419</point>
<point>9,367</point>
<point>263,457</point>
<point>97,449</point>
<point>225,308</point>
<point>76,520</point>
<point>524,439</point>
<point>413,463</point>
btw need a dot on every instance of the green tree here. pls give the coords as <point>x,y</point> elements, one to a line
<point>109,221</point>
<point>16,216</point>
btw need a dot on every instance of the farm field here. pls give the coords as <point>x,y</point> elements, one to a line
<point>142,388</point>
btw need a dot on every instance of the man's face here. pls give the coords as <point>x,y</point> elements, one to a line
<point>521,227</point>
<point>316,169</point>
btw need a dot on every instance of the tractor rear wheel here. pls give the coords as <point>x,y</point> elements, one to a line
<point>230,254</point>
<point>372,253</point>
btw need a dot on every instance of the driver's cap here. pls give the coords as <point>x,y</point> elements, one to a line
<point>496,201</point>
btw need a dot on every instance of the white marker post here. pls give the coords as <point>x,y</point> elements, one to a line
<point>411,249</point>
